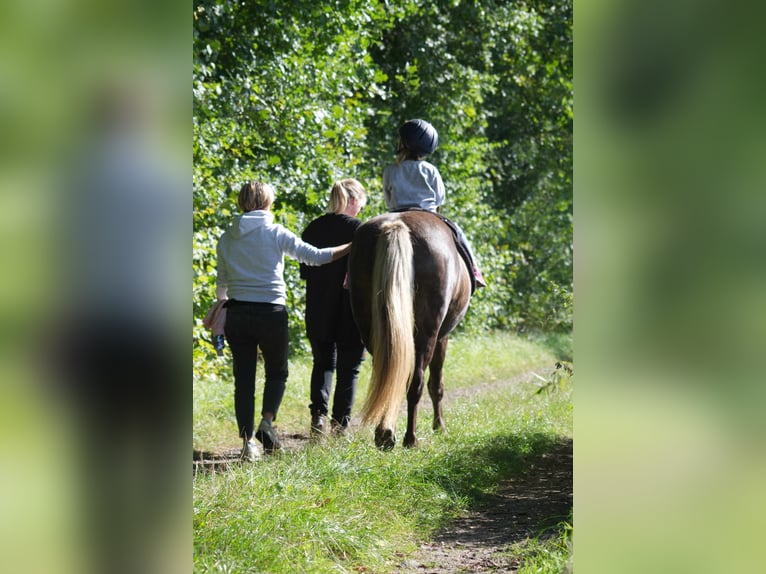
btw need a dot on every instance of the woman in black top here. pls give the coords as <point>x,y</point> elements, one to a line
<point>335,341</point>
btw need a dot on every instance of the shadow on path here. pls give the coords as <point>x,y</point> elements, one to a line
<point>535,500</point>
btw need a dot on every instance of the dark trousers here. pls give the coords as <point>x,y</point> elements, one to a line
<point>329,358</point>
<point>121,379</point>
<point>248,327</point>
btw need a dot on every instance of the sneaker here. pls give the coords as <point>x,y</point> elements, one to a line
<point>479,277</point>
<point>249,451</point>
<point>268,436</point>
<point>318,423</point>
<point>337,428</point>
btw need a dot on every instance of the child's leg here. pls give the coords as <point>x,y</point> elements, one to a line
<point>465,242</point>
<point>476,271</point>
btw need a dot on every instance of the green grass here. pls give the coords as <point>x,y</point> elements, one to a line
<point>471,361</point>
<point>548,553</point>
<point>344,506</point>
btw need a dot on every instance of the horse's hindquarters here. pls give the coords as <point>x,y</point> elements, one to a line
<point>404,262</point>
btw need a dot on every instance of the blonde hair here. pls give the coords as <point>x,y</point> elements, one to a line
<point>255,195</point>
<point>342,191</point>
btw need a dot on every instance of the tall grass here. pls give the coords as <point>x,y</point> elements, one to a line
<point>343,505</point>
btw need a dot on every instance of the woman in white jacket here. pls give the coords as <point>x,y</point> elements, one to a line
<point>250,277</point>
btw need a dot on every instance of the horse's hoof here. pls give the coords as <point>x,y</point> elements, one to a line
<point>439,427</point>
<point>385,439</point>
<point>410,442</point>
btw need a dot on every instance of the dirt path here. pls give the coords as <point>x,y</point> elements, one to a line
<point>477,542</point>
<point>523,507</point>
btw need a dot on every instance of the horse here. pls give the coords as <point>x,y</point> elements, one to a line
<point>409,288</point>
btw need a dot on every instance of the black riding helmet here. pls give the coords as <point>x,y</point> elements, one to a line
<point>419,136</point>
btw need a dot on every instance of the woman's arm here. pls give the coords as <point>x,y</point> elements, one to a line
<point>341,251</point>
<point>307,253</point>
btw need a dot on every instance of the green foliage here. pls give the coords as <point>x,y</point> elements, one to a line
<point>300,94</point>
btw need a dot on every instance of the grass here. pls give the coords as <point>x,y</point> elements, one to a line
<point>344,506</point>
<point>471,361</point>
<point>548,553</point>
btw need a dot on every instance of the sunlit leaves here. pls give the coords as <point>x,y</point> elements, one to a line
<point>300,94</point>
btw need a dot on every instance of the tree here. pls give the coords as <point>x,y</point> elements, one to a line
<point>300,94</point>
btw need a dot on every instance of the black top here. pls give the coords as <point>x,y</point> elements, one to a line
<point>328,306</point>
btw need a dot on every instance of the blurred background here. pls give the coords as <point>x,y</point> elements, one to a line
<point>670,284</point>
<point>94,229</point>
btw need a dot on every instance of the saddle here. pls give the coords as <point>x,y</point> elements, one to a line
<point>459,245</point>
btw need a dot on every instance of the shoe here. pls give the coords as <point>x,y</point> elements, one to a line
<point>318,424</point>
<point>337,428</point>
<point>479,277</point>
<point>268,437</point>
<point>249,451</point>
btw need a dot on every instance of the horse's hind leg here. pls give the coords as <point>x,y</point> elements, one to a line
<point>384,439</point>
<point>414,393</point>
<point>435,384</point>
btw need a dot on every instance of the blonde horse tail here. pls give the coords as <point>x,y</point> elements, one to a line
<point>392,324</point>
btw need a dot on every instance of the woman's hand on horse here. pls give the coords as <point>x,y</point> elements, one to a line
<point>341,251</point>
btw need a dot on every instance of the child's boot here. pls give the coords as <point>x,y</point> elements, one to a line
<point>479,277</point>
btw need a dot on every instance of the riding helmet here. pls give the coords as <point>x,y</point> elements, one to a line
<point>419,136</point>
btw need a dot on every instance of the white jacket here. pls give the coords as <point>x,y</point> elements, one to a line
<point>251,258</point>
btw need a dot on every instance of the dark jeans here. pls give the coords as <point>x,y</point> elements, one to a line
<point>328,357</point>
<point>248,327</point>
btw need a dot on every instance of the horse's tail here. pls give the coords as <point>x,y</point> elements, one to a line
<point>392,324</point>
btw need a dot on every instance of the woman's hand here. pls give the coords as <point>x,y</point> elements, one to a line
<point>341,251</point>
